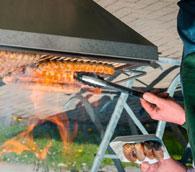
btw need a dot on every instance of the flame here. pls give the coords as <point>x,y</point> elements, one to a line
<point>57,76</point>
<point>63,127</point>
<point>49,74</point>
<point>62,72</point>
<point>24,142</point>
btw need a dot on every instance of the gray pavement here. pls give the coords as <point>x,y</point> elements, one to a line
<point>5,167</point>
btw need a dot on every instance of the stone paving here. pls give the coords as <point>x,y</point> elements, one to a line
<point>4,167</point>
<point>154,19</point>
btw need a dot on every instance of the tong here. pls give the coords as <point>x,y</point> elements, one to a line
<point>97,81</point>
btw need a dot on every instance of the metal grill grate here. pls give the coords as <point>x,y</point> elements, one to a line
<point>10,61</point>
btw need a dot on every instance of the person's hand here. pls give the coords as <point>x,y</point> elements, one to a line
<point>168,165</point>
<point>164,109</point>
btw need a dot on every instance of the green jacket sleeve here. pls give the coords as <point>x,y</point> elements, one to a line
<point>184,125</point>
<point>188,82</point>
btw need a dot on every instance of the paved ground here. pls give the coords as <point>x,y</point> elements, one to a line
<point>154,19</point>
<point>4,167</point>
<point>113,169</point>
<point>15,168</point>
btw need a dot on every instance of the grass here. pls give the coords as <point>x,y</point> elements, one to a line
<point>80,153</point>
<point>174,148</point>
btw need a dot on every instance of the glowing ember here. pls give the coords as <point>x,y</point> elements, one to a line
<point>56,76</point>
<point>9,61</point>
<point>59,72</point>
<point>63,72</point>
<point>24,142</point>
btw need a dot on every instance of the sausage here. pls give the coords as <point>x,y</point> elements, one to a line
<point>157,150</point>
<point>130,152</point>
<point>159,154</point>
<point>148,151</point>
<point>140,151</point>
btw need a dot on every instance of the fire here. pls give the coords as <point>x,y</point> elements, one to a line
<point>50,76</point>
<point>57,76</point>
<point>63,72</point>
<point>59,72</point>
<point>24,142</point>
<point>63,127</point>
<point>11,60</point>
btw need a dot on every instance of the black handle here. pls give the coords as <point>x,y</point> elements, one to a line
<point>124,89</point>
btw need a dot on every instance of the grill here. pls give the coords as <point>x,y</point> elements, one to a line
<point>10,60</point>
<point>69,32</point>
<point>49,45</point>
<point>70,26</point>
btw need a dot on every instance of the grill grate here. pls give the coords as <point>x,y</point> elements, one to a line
<point>10,60</point>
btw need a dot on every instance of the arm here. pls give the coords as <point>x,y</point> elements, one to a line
<point>168,165</point>
<point>186,30</point>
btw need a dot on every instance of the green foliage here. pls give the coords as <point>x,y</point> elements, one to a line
<point>78,154</point>
<point>174,148</point>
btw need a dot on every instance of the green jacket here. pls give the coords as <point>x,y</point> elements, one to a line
<point>188,82</point>
<point>186,30</point>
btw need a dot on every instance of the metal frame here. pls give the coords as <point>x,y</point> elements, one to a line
<point>110,130</point>
<point>120,106</point>
<point>161,124</point>
<point>33,42</point>
<point>94,118</point>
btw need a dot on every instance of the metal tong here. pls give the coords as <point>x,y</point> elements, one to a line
<point>96,81</point>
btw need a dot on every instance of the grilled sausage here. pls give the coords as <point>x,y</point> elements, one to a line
<point>148,151</point>
<point>158,154</point>
<point>157,150</point>
<point>130,152</point>
<point>140,151</point>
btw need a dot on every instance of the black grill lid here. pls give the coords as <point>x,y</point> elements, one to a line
<point>70,26</point>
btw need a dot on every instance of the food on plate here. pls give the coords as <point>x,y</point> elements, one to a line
<point>148,149</point>
<point>158,152</point>
<point>130,152</point>
<point>139,151</point>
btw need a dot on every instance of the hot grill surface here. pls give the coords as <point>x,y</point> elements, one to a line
<point>10,61</point>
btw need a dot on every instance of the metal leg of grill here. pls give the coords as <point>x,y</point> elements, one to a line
<point>94,118</point>
<point>110,130</point>
<point>135,119</point>
<point>161,124</point>
<point>121,104</point>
